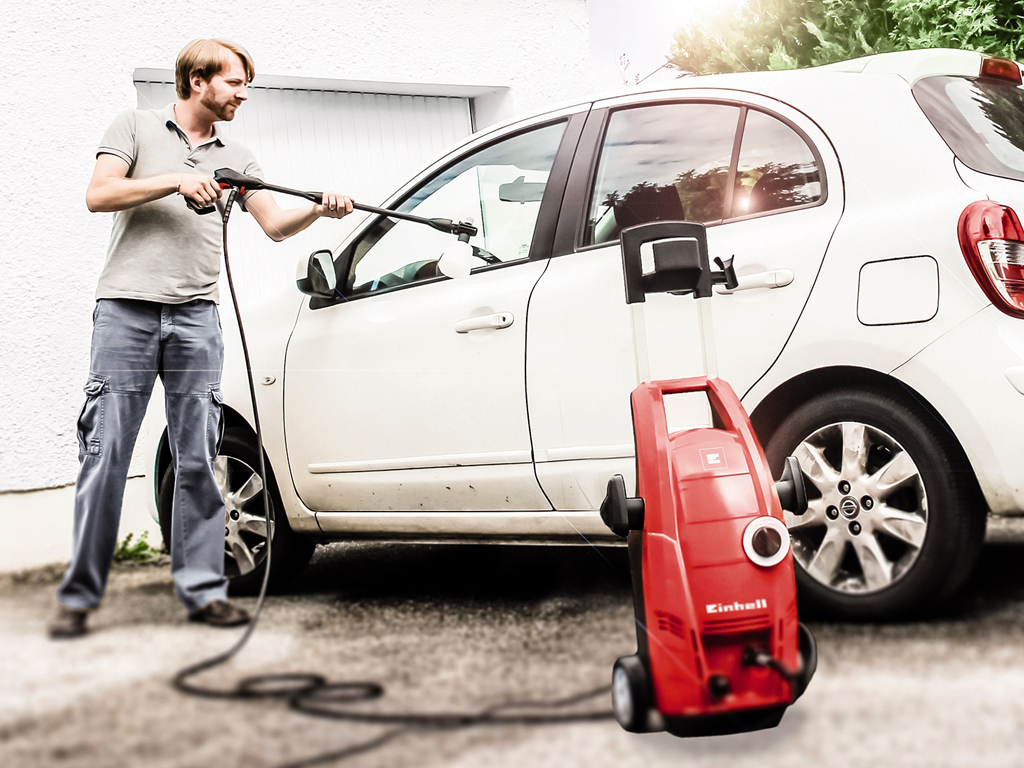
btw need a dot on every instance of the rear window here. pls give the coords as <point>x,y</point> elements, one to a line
<point>982,121</point>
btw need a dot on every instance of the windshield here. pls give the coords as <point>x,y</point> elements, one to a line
<point>982,121</point>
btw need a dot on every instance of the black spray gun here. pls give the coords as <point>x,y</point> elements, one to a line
<point>227,178</point>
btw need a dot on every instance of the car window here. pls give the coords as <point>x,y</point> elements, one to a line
<point>776,168</point>
<point>500,187</point>
<point>982,121</point>
<point>662,162</point>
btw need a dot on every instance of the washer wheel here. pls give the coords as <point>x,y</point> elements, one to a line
<point>631,694</point>
<point>808,660</point>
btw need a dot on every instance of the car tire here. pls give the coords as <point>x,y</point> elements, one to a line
<point>894,521</point>
<point>245,542</point>
<point>631,693</point>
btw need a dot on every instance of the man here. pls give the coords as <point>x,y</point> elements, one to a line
<point>156,313</point>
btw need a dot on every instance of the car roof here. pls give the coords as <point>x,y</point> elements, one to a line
<point>910,66</point>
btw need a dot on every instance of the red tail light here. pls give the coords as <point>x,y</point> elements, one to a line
<point>992,240</point>
<point>1002,69</point>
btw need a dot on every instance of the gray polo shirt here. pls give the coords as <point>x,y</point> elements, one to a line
<point>163,251</point>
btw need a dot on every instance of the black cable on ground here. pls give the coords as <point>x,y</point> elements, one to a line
<point>312,694</point>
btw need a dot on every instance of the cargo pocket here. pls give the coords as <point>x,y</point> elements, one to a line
<point>90,420</point>
<point>215,423</point>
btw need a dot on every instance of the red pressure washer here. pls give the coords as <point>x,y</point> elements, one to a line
<point>719,647</point>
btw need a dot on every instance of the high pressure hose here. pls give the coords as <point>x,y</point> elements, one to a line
<point>311,693</point>
<point>181,678</point>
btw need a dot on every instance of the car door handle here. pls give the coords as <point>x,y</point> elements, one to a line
<point>773,278</point>
<point>494,322</point>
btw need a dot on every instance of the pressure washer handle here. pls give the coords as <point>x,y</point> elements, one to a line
<point>198,208</point>
<point>723,399</point>
<point>681,266</point>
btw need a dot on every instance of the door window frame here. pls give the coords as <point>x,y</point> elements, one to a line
<point>544,228</point>
<point>571,230</point>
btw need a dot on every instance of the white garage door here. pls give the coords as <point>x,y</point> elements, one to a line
<point>362,144</point>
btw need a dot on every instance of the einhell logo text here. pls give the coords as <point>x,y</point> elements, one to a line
<point>736,606</point>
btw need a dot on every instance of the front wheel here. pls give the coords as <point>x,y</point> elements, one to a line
<point>631,693</point>
<point>245,523</point>
<point>892,524</point>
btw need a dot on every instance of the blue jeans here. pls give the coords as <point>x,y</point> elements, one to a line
<point>132,343</point>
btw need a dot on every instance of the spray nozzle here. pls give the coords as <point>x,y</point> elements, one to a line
<point>458,259</point>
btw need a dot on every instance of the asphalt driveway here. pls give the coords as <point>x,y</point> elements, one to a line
<point>462,628</point>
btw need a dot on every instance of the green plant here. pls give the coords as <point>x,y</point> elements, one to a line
<point>786,34</point>
<point>139,551</point>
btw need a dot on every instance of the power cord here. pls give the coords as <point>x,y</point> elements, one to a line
<point>313,694</point>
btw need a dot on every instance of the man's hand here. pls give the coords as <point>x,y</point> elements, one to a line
<point>202,189</point>
<point>334,206</point>
<point>280,223</point>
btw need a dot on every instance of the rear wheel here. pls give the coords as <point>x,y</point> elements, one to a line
<point>245,523</point>
<point>892,523</point>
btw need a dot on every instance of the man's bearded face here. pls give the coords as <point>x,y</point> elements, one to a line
<point>225,91</point>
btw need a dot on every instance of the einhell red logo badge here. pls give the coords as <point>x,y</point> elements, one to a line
<point>713,458</point>
<point>736,606</point>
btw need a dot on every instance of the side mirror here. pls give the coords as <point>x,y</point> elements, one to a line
<point>320,279</point>
<point>458,260</point>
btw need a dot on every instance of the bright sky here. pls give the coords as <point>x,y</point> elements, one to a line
<point>642,30</point>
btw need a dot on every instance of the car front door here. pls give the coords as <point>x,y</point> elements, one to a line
<point>764,181</point>
<point>408,392</point>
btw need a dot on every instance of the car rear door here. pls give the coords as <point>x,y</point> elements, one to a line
<point>765,181</point>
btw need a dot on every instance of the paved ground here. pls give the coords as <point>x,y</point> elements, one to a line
<point>461,628</point>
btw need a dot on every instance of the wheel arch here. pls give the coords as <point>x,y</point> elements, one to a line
<point>773,409</point>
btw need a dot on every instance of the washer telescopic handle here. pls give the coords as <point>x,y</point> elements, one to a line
<point>227,177</point>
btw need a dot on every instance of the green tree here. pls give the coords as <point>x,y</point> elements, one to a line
<point>785,34</point>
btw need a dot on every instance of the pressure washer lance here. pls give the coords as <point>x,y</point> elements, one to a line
<point>313,694</point>
<point>229,179</point>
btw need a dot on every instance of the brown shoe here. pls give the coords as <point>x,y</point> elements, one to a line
<point>220,613</point>
<point>68,623</point>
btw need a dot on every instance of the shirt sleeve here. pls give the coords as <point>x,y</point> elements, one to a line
<point>119,139</point>
<point>252,168</point>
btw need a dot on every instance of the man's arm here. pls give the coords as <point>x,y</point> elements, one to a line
<point>280,223</point>
<point>111,190</point>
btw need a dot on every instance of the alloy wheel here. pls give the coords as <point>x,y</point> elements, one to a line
<point>867,512</point>
<point>245,523</point>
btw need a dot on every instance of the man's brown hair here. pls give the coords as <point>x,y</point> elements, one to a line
<point>205,57</point>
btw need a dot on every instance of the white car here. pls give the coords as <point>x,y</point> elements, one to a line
<point>876,332</point>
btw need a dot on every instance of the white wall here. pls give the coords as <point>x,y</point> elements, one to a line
<point>66,71</point>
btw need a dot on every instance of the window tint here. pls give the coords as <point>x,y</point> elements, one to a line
<point>500,187</point>
<point>776,168</point>
<point>664,162</point>
<point>982,121</point>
